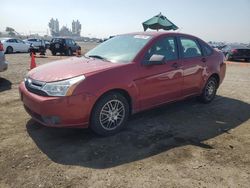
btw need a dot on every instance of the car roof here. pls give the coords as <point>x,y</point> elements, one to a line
<point>5,38</point>
<point>62,38</point>
<point>159,33</point>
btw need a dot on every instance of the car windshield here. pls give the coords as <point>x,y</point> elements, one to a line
<point>120,49</point>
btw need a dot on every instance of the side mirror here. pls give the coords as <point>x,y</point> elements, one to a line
<point>156,60</point>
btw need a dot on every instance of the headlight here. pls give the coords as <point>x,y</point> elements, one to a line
<point>62,88</point>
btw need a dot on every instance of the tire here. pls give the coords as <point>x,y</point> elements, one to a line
<point>53,53</point>
<point>9,50</point>
<point>209,91</point>
<point>69,52</point>
<point>247,60</point>
<point>109,114</point>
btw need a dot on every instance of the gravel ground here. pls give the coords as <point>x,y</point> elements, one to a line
<point>186,144</point>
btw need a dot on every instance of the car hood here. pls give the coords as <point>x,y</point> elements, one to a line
<point>69,68</point>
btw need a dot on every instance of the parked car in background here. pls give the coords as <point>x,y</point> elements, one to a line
<point>35,42</point>
<point>124,75</point>
<point>36,45</point>
<point>65,46</point>
<point>47,44</point>
<point>3,62</point>
<point>236,52</point>
<point>12,45</point>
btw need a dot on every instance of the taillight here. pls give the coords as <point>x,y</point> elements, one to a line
<point>234,51</point>
<point>1,47</point>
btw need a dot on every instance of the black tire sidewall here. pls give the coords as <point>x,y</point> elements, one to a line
<point>95,124</point>
<point>8,51</point>
<point>203,96</point>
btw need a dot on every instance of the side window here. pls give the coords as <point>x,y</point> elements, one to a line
<point>11,40</point>
<point>73,42</point>
<point>189,48</point>
<point>164,46</point>
<point>207,50</point>
<point>19,41</point>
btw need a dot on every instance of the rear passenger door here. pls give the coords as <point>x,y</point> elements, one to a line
<point>193,65</point>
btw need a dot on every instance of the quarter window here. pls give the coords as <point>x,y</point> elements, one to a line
<point>190,48</point>
<point>207,50</point>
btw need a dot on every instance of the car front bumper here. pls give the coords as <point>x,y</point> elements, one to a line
<point>71,111</point>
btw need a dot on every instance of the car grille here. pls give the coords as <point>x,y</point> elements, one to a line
<point>35,86</point>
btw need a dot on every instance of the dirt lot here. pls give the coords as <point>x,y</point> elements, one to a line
<point>186,144</point>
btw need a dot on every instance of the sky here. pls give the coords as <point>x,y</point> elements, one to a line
<point>211,20</point>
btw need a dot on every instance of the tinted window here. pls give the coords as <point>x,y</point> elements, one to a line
<point>190,48</point>
<point>165,47</point>
<point>19,41</point>
<point>207,50</point>
<point>11,40</point>
<point>73,42</point>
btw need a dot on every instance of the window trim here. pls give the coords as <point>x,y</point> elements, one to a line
<point>162,38</point>
<point>189,38</point>
<point>202,44</point>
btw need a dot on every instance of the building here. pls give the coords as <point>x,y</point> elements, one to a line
<point>76,28</point>
<point>54,27</point>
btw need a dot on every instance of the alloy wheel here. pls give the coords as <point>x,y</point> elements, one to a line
<point>112,114</point>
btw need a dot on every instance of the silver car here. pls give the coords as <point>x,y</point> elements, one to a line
<point>3,62</point>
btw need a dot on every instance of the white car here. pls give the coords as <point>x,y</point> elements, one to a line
<point>3,62</point>
<point>11,45</point>
<point>35,42</point>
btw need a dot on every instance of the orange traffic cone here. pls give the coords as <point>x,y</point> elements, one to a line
<point>33,61</point>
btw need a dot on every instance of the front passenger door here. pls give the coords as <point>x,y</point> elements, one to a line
<point>158,84</point>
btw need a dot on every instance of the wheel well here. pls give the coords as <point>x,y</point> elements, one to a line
<point>123,93</point>
<point>216,76</point>
<point>9,47</point>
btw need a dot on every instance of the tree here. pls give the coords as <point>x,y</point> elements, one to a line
<point>11,31</point>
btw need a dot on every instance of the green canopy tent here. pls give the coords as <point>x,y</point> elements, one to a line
<point>159,22</point>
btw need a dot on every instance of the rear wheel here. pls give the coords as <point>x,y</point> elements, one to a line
<point>209,90</point>
<point>9,50</point>
<point>53,52</point>
<point>110,114</point>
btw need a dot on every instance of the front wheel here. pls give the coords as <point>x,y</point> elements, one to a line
<point>69,52</point>
<point>110,114</point>
<point>209,90</point>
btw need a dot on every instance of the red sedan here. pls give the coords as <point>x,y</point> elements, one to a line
<point>124,75</point>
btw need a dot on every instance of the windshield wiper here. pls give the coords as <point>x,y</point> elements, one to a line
<point>98,57</point>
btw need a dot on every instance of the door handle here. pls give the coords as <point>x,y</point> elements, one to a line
<point>175,65</point>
